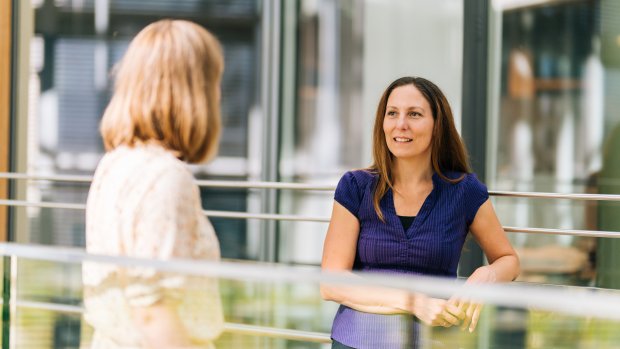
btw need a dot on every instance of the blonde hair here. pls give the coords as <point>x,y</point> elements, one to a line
<point>167,92</point>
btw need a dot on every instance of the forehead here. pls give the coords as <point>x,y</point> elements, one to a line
<point>407,96</point>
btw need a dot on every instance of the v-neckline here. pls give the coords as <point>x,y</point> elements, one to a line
<point>423,212</point>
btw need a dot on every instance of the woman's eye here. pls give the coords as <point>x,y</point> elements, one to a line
<point>415,114</point>
<point>391,113</point>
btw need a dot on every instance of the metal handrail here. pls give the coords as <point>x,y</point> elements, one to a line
<point>317,187</point>
<point>200,183</point>
<point>230,327</point>
<point>300,218</point>
<point>210,213</point>
<point>599,303</point>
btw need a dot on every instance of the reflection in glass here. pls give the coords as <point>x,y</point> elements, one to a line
<point>75,46</point>
<point>347,53</point>
<point>554,119</point>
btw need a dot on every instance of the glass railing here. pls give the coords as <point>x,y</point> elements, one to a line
<point>274,306</point>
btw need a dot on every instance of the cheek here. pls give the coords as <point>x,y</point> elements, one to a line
<point>386,128</point>
<point>429,129</point>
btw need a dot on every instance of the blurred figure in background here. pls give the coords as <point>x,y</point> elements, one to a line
<point>143,202</point>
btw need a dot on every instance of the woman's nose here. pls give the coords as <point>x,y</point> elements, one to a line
<point>401,122</point>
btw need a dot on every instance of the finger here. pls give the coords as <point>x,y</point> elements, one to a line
<point>449,318</point>
<point>454,309</point>
<point>471,307</point>
<point>468,316</point>
<point>441,322</point>
<point>475,318</point>
<point>462,304</point>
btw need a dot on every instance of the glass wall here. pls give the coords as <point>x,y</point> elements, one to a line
<point>74,46</point>
<point>338,56</point>
<point>554,95</point>
<point>554,129</point>
<point>72,51</point>
<point>347,53</point>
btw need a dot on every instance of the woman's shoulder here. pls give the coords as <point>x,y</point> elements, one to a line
<point>144,165</point>
<point>466,182</point>
<point>361,177</point>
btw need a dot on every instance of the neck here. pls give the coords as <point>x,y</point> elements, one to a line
<point>412,171</point>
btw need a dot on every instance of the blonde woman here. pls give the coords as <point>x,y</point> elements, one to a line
<point>143,201</point>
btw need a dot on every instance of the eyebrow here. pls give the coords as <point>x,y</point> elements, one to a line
<point>408,108</point>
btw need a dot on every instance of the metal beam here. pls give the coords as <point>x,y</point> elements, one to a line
<point>474,120</point>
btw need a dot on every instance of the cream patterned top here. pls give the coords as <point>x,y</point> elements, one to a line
<point>144,203</point>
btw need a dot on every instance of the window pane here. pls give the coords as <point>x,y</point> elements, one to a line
<point>347,54</point>
<point>75,46</point>
<point>555,128</point>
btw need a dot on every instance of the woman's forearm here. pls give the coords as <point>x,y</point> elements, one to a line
<point>367,299</point>
<point>505,268</point>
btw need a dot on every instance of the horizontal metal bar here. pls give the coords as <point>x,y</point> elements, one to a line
<point>55,307</point>
<point>541,195</point>
<point>283,333</point>
<point>318,187</point>
<point>201,183</point>
<point>265,185</point>
<point>210,213</point>
<point>508,5</point>
<point>243,329</point>
<point>278,217</point>
<point>42,204</point>
<point>55,178</point>
<point>572,232</point>
<point>282,217</point>
<point>577,301</point>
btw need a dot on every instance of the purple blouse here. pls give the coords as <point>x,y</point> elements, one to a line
<point>431,246</point>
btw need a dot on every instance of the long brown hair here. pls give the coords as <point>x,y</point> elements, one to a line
<point>448,151</point>
<point>167,92</point>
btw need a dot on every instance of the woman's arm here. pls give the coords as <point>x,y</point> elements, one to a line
<point>488,232</point>
<point>339,254</point>
<point>160,326</point>
<point>503,261</point>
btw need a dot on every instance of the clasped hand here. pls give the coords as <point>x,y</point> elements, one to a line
<point>456,311</point>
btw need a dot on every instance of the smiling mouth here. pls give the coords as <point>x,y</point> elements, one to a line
<point>402,140</point>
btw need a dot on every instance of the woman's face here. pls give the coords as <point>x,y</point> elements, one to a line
<point>408,123</point>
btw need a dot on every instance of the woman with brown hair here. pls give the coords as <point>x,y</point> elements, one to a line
<point>410,213</point>
<point>143,201</point>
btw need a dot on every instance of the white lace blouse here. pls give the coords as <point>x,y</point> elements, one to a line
<point>144,203</point>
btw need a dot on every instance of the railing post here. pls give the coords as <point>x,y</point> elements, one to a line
<point>474,120</point>
<point>270,80</point>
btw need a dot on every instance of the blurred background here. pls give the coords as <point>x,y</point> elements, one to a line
<point>534,86</point>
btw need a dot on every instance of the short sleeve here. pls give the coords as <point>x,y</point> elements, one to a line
<point>163,228</point>
<point>348,193</point>
<point>476,194</point>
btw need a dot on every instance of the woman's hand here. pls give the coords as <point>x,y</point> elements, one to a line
<point>471,310</point>
<point>435,311</point>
